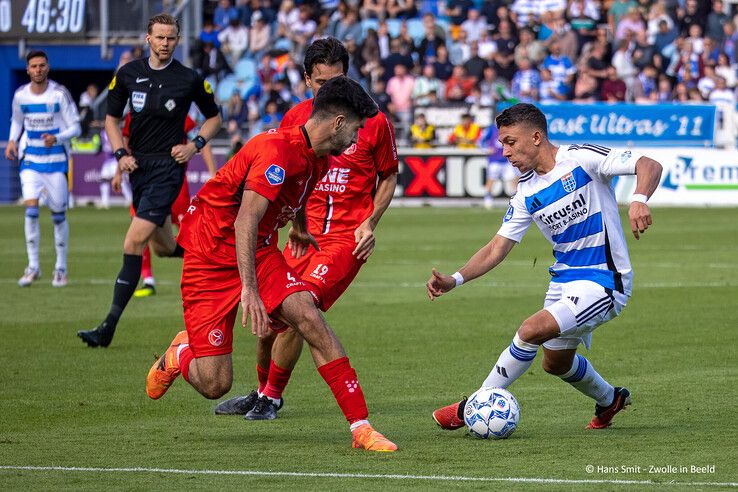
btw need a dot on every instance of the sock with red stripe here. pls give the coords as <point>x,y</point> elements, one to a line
<point>344,384</point>
<point>263,376</point>
<point>277,381</point>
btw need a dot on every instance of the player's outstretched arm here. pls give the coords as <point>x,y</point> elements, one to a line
<point>648,176</point>
<point>253,207</point>
<point>484,260</point>
<point>364,234</point>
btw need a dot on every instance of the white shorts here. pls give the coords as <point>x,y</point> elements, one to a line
<point>501,170</point>
<point>52,185</point>
<point>579,307</point>
<point>107,171</point>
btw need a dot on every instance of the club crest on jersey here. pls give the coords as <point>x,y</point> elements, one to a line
<point>275,175</point>
<point>138,99</point>
<point>350,150</point>
<point>508,214</point>
<point>569,183</point>
<point>216,338</point>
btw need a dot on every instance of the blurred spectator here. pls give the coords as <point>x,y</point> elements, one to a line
<point>561,67</point>
<point>223,14</point>
<point>475,65</point>
<point>459,51</point>
<point>474,25</point>
<point>427,88</point>
<point>665,91</point>
<point>457,11</point>
<point>525,82</point>
<point>396,57</point>
<point>380,96</point>
<point>407,44</point>
<point>213,62</point>
<point>583,17</point>
<point>346,26</point>
<point>401,9</point>
<point>504,57</point>
<point>695,39</point>
<point>259,36</point>
<point>693,15</point>
<point>642,51</point>
<point>86,108</point>
<point>729,41</point>
<point>726,70</point>
<point>630,23</point>
<point>645,85</point>
<point>722,94</point>
<point>458,86</point>
<point>427,49</point>
<point>551,91</point>
<point>707,82</point>
<point>266,70</point>
<point>373,9</point>
<point>209,34</point>
<point>492,90</point>
<point>384,40</point>
<point>529,48</point>
<point>613,88</point>
<point>442,66</point>
<point>487,46</point>
<point>681,93</point>
<point>302,30</point>
<point>656,16</point>
<point>623,64</point>
<point>234,40</point>
<point>422,135</point>
<point>664,37</point>
<point>618,9</point>
<point>400,91</point>
<point>525,12</point>
<point>288,14</point>
<point>466,134</point>
<point>695,96</point>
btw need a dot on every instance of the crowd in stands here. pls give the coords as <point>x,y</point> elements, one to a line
<point>413,53</point>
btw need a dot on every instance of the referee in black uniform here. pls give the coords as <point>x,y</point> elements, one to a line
<point>160,91</point>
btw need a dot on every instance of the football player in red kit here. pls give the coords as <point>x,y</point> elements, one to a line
<point>229,235</point>
<point>343,211</point>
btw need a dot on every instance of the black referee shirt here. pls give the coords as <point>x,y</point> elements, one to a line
<point>160,101</point>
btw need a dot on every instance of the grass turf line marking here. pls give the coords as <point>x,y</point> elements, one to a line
<point>438,478</point>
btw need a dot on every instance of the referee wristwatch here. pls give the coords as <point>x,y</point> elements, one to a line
<point>199,142</point>
<point>120,153</point>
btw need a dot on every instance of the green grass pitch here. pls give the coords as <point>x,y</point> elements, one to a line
<point>65,405</point>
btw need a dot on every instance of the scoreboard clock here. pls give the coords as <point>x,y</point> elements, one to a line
<point>42,18</point>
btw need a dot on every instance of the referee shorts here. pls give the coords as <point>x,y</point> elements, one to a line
<point>155,186</point>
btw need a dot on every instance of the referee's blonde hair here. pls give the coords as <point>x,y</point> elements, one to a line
<point>165,19</point>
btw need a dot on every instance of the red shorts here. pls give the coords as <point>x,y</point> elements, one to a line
<point>180,205</point>
<point>211,294</point>
<point>329,271</point>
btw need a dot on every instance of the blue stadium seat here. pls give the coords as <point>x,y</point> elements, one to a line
<point>225,88</point>
<point>245,69</point>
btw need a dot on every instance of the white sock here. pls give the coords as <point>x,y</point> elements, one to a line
<point>105,194</point>
<point>61,240</point>
<point>33,236</point>
<point>358,424</point>
<point>513,362</point>
<point>149,281</point>
<point>180,349</point>
<point>273,400</point>
<point>583,377</point>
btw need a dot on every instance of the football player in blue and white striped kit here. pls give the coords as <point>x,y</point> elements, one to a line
<point>567,193</point>
<point>44,119</point>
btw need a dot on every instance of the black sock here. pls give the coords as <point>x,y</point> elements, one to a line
<point>178,252</point>
<point>125,285</point>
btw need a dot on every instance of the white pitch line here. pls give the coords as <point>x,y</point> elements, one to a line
<point>437,478</point>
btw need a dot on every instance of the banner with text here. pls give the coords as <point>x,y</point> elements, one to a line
<point>632,124</point>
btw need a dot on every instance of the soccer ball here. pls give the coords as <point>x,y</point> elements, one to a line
<point>491,413</point>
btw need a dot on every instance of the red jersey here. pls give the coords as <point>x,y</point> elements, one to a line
<point>279,165</point>
<point>343,199</point>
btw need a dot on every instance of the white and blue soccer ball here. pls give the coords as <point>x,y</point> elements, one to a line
<point>491,413</point>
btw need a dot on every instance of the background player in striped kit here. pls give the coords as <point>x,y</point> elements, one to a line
<point>44,119</point>
<point>567,193</point>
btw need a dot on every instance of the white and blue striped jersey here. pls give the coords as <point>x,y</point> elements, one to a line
<point>574,206</point>
<point>52,112</point>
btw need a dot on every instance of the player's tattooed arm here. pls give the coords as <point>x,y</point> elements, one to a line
<point>253,207</point>
<point>364,234</point>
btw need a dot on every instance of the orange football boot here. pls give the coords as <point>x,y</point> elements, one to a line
<point>165,370</point>
<point>365,437</point>
<point>604,415</point>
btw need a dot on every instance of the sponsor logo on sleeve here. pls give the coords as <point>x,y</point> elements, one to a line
<point>208,87</point>
<point>111,85</point>
<point>138,100</point>
<point>508,214</point>
<point>275,175</point>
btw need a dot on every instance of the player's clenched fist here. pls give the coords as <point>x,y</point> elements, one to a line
<point>439,284</point>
